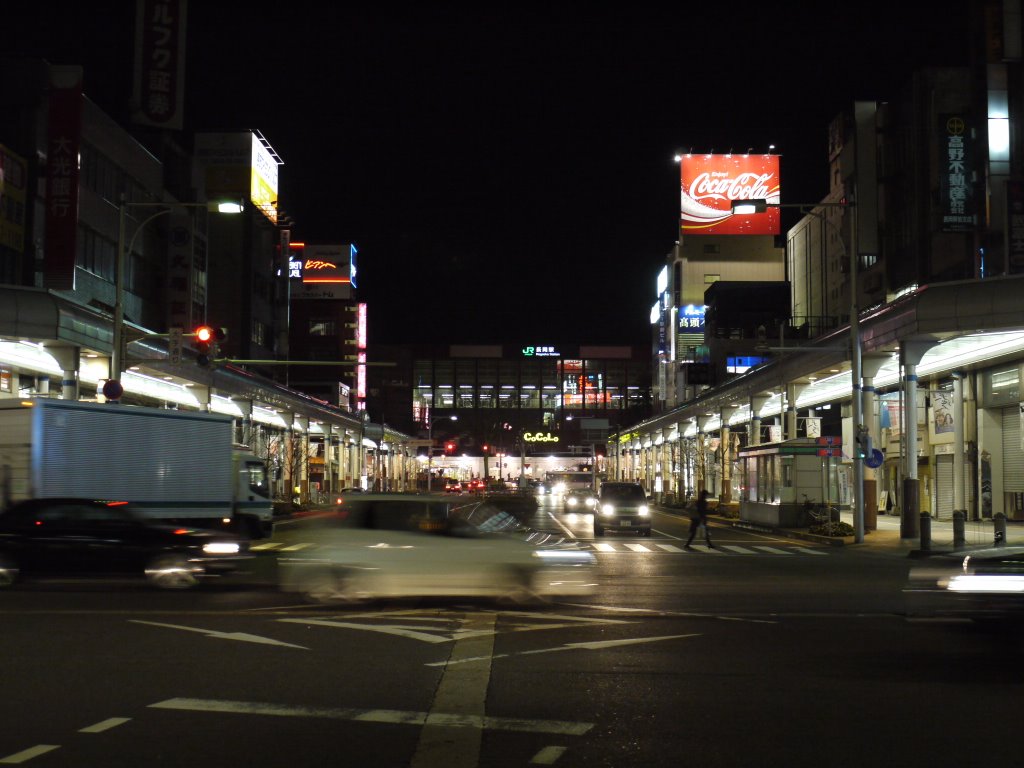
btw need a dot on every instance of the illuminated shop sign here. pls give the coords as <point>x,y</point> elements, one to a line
<point>691,318</point>
<point>240,165</point>
<point>540,437</point>
<point>956,193</point>
<point>540,352</point>
<point>710,184</point>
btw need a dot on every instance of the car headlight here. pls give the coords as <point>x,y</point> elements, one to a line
<point>591,502</point>
<point>608,509</point>
<point>572,501</point>
<point>221,548</point>
<point>643,510</point>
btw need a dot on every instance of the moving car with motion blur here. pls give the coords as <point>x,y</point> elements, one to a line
<point>417,545</point>
<point>622,507</point>
<point>981,584</point>
<point>87,537</point>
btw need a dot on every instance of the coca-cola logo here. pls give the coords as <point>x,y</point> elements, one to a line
<point>722,186</point>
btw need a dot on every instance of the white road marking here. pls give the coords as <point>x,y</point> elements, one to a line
<point>588,646</point>
<point>297,547</point>
<point>242,636</point>
<point>809,551</point>
<point>561,525</point>
<point>391,716</point>
<point>668,547</point>
<point>387,629</point>
<point>773,550</point>
<point>105,725</point>
<point>463,692</point>
<point>637,547</point>
<point>28,754</point>
<point>265,545</point>
<point>547,756</point>
<point>604,547</point>
<point>735,548</point>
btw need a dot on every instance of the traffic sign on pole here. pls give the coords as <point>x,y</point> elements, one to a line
<point>174,337</point>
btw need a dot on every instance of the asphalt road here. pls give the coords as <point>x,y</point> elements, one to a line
<point>765,652</point>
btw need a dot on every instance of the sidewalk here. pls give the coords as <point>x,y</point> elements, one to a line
<point>886,539</point>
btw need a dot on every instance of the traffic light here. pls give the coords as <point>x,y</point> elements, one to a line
<point>207,340</point>
<point>449,447</point>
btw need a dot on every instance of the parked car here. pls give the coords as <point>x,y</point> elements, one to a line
<point>419,545</point>
<point>87,537</point>
<point>980,584</point>
<point>622,507</point>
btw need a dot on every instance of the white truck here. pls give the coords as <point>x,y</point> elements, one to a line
<point>178,466</point>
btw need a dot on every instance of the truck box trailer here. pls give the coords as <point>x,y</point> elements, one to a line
<point>178,466</point>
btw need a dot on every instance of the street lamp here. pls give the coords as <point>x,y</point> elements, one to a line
<point>856,383</point>
<point>430,450</point>
<point>116,362</point>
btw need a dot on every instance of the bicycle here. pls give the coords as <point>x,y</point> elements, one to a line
<point>817,512</point>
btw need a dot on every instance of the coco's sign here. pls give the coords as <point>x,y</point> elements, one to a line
<point>540,437</point>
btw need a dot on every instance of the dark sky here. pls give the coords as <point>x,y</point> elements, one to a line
<point>508,175</point>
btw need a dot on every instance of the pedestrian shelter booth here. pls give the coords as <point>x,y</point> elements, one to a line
<point>778,479</point>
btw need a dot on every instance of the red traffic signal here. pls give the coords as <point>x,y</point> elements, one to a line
<point>449,447</point>
<point>206,338</point>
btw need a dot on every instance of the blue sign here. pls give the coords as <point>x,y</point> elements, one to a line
<point>691,318</point>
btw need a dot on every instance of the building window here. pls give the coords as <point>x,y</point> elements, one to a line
<point>709,279</point>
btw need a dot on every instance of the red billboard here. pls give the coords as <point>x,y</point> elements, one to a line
<point>710,184</point>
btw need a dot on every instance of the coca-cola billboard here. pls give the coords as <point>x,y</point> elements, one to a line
<point>710,184</point>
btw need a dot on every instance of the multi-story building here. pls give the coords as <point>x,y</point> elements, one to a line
<point>919,239</point>
<point>106,233</point>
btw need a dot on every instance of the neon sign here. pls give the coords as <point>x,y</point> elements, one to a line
<point>540,437</point>
<point>540,352</point>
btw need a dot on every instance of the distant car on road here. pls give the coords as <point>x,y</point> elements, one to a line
<point>86,537</point>
<point>581,500</point>
<point>419,545</point>
<point>452,486</point>
<point>622,507</point>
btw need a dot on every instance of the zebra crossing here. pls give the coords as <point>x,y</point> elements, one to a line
<point>616,547</point>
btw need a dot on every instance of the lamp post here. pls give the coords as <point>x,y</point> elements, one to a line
<point>856,383</point>
<point>116,361</point>
<point>430,450</point>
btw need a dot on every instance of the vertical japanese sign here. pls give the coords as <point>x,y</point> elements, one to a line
<point>159,82</point>
<point>63,144</point>
<point>956,195</point>
<point>13,178</point>
<point>1015,226</point>
<point>179,271</point>
<point>361,354</point>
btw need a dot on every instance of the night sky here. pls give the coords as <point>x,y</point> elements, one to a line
<point>508,175</point>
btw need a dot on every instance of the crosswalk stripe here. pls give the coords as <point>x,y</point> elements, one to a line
<point>773,550</point>
<point>668,547</point>
<point>737,548</point>
<point>297,547</point>
<point>810,551</point>
<point>604,547</point>
<point>637,547</point>
<point>265,545</point>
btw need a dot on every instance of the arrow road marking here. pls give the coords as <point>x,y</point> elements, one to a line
<point>244,637</point>
<point>590,646</point>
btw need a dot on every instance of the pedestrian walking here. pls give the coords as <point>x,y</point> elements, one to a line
<point>700,518</point>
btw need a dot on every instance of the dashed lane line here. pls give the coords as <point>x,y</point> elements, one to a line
<point>27,754</point>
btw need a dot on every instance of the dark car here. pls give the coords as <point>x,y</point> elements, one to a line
<point>979,584</point>
<point>86,537</point>
<point>622,507</point>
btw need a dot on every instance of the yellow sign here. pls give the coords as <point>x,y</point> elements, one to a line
<point>540,437</point>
